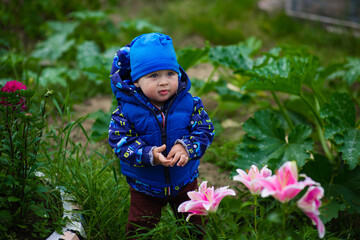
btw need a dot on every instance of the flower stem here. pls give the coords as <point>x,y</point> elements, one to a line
<point>255,217</point>
<point>216,226</point>
<point>284,216</point>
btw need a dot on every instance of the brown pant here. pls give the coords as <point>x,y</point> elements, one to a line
<point>145,210</point>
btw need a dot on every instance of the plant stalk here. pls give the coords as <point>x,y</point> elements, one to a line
<point>255,217</point>
<point>312,109</point>
<point>323,144</point>
<point>209,79</point>
<point>319,127</point>
<point>282,110</point>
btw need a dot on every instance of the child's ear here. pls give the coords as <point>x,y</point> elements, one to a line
<point>136,84</point>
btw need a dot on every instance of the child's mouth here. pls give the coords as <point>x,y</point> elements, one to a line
<point>163,92</point>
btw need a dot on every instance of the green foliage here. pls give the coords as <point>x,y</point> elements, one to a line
<point>235,56</point>
<point>25,199</point>
<point>90,176</point>
<point>190,56</point>
<point>69,45</point>
<point>139,26</point>
<point>53,47</point>
<point>340,116</point>
<point>99,130</point>
<point>53,76</point>
<point>266,143</point>
<point>348,72</point>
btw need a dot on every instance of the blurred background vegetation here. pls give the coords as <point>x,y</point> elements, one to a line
<point>190,23</point>
<point>55,43</point>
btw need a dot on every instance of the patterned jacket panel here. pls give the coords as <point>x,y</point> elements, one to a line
<point>129,147</point>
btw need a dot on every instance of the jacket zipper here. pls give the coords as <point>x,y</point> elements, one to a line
<point>164,136</point>
<point>163,132</point>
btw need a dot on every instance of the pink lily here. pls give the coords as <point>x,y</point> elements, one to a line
<point>310,203</point>
<point>285,185</point>
<point>204,200</point>
<point>251,179</point>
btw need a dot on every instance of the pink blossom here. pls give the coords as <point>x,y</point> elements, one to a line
<point>251,179</point>
<point>204,200</point>
<point>13,86</point>
<point>310,203</point>
<point>284,185</point>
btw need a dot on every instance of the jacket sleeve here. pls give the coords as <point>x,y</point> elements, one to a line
<point>201,132</point>
<point>128,147</point>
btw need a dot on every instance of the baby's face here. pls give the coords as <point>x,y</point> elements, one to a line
<point>159,86</point>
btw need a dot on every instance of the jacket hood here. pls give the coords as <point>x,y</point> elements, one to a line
<point>120,77</point>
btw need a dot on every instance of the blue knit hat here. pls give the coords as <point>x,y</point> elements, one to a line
<point>152,52</point>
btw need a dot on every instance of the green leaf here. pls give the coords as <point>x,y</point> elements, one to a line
<point>89,15</point>
<point>253,43</point>
<point>53,48</point>
<point>190,56</point>
<point>311,169</point>
<point>236,57</point>
<point>331,210</point>
<point>41,188</point>
<point>5,216</point>
<point>274,76</point>
<point>65,28</point>
<point>351,147</point>
<point>227,94</point>
<point>139,25</point>
<point>286,73</point>
<point>99,129</point>
<point>349,72</point>
<point>352,70</point>
<point>274,217</point>
<point>343,192</point>
<point>13,199</point>
<point>339,116</point>
<point>108,54</point>
<point>265,142</point>
<point>88,55</point>
<point>346,186</point>
<point>53,76</point>
<point>297,105</point>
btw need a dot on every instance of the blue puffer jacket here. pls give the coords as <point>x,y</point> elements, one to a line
<point>137,126</point>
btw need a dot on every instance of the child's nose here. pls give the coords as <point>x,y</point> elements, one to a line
<point>163,81</point>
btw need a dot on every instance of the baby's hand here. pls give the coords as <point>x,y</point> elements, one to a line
<point>178,154</point>
<point>159,158</point>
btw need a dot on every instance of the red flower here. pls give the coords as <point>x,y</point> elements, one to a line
<point>13,86</point>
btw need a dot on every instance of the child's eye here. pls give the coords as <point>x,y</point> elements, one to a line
<point>154,75</point>
<point>171,73</point>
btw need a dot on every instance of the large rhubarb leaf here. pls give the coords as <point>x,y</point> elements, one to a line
<point>236,57</point>
<point>283,74</point>
<point>339,116</point>
<point>54,47</point>
<point>190,56</point>
<point>266,143</point>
